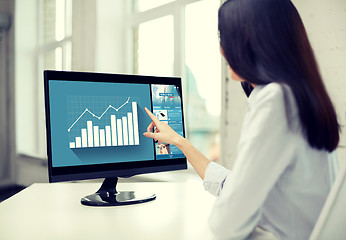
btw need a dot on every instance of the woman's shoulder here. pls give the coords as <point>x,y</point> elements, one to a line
<point>264,95</point>
<point>276,95</point>
<point>271,91</point>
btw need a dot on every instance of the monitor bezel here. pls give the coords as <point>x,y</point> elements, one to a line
<point>59,174</point>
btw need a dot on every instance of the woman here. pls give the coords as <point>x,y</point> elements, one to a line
<point>280,179</point>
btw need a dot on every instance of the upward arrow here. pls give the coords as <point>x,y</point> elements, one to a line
<point>98,117</point>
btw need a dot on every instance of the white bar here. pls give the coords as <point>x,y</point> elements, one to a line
<point>126,134</point>
<point>102,138</point>
<point>108,136</point>
<point>72,145</point>
<point>120,135</point>
<point>130,126</point>
<point>78,142</point>
<point>135,123</point>
<point>96,136</point>
<point>90,134</point>
<point>114,130</point>
<point>84,138</point>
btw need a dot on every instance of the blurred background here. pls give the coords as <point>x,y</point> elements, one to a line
<point>147,37</point>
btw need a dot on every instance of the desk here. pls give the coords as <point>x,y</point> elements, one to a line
<point>53,211</point>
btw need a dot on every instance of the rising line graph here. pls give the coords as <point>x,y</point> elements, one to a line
<point>98,117</point>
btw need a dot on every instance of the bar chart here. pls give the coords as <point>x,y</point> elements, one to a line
<point>120,128</point>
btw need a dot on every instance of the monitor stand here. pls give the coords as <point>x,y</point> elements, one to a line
<point>107,195</point>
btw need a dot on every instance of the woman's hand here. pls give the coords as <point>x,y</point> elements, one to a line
<point>163,133</point>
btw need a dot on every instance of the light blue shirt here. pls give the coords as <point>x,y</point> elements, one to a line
<point>278,181</point>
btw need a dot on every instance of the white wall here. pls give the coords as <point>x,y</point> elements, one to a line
<point>26,38</point>
<point>110,53</point>
<point>325,22</point>
<point>99,37</point>
<point>83,35</point>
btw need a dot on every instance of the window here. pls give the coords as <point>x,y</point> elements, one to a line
<point>203,76</point>
<point>43,41</point>
<point>179,38</point>
<point>55,34</point>
<point>55,51</point>
<point>144,5</point>
<point>155,44</point>
<point>167,38</point>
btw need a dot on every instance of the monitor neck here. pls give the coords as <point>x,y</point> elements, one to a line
<point>108,187</point>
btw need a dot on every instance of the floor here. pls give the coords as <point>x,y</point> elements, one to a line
<point>9,191</point>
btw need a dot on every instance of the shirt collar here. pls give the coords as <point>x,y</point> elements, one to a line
<point>254,93</point>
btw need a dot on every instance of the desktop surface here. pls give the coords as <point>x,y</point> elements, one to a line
<point>53,211</point>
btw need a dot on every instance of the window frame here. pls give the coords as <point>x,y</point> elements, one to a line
<point>42,49</point>
<point>29,76</point>
<point>177,10</point>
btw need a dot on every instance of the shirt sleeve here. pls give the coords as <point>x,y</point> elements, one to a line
<point>214,178</point>
<point>266,147</point>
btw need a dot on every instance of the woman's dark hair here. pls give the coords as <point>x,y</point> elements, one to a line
<point>265,41</point>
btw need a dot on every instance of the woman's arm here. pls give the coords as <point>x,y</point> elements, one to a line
<point>267,145</point>
<point>164,133</point>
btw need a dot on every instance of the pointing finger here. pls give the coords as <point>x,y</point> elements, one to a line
<point>152,116</point>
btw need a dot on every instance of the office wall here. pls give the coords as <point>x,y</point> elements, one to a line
<point>83,35</point>
<point>110,55</point>
<point>325,22</point>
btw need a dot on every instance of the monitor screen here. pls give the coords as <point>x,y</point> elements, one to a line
<point>95,124</point>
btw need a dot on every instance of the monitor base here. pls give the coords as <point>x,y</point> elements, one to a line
<point>107,195</point>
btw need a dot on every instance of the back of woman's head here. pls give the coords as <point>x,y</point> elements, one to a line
<point>265,41</point>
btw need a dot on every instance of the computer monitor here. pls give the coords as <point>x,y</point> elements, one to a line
<point>95,124</point>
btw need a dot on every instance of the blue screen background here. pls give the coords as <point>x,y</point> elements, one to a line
<point>68,99</point>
